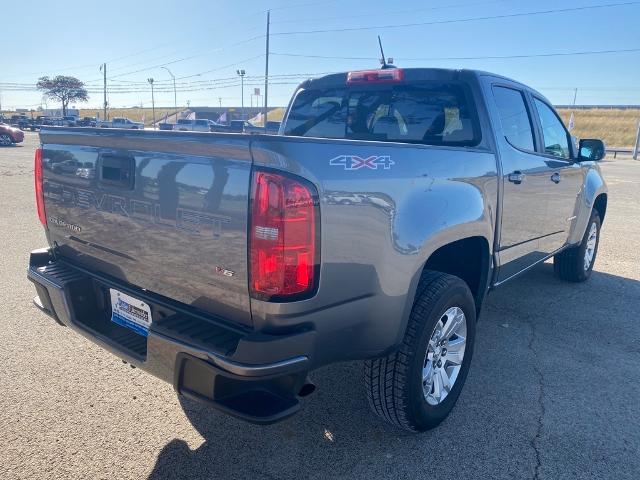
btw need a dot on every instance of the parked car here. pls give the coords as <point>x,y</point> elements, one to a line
<point>238,126</point>
<point>21,121</point>
<point>66,166</point>
<point>197,125</point>
<point>273,127</point>
<point>69,120</point>
<point>51,122</point>
<point>371,229</point>
<point>86,122</point>
<point>10,135</point>
<point>86,172</point>
<point>121,122</point>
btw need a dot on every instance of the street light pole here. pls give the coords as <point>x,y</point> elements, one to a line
<point>242,74</point>
<point>104,105</point>
<point>266,73</point>
<point>153,102</point>
<point>175,96</point>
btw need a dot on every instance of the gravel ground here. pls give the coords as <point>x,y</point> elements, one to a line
<point>552,393</point>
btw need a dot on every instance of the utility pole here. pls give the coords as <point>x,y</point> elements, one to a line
<point>266,72</point>
<point>636,149</point>
<point>104,105</point>
<point>575,95</point>
<point>153,102</point>
<point>220,101</point>
<point>242,74</point>
<point>175,101</point>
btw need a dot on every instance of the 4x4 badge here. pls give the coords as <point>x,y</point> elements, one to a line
<point>353,162</point>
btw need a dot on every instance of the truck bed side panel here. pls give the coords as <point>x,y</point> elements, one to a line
<point>379,226</point>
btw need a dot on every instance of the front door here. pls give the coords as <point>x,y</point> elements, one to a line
<point>566,178</point>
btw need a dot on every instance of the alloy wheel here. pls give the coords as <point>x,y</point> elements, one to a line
<point>445,353</point>
<point>590,251</point>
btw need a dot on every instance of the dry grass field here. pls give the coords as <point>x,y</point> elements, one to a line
<point>616,127</point>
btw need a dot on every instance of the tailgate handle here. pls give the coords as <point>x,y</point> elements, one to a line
<point>116,171</point>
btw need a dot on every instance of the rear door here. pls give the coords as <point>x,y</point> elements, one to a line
<point>525,179</point>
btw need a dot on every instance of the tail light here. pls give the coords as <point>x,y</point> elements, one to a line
<point>389,75</point>
<point>37,168</point>
<point>284,237</point>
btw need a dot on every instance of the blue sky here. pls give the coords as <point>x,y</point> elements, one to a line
<point>207,41</point>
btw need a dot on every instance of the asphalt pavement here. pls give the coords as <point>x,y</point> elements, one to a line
<point>553,391</point>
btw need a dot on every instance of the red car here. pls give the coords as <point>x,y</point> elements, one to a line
<point>10,135</point>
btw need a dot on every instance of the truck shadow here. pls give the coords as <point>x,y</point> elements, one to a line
<point>498,426</point>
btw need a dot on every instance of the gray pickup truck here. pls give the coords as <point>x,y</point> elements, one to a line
<point>371,228</point>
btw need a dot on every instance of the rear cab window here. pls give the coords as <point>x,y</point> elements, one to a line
<point>418,112</point>
<point>514,117</point>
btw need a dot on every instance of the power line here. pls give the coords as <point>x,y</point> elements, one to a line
<point>183,59</point>
<point>388,12</point>
<point>484,57</point>
<point>457,20</point>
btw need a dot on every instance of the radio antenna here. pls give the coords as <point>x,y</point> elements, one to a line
<point>386,62</point>
<point>383,61</point>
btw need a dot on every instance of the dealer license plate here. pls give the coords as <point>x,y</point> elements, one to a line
<point>130,312</point>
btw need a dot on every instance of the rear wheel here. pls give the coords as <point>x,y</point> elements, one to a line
<point>576,263</point>
<point>417,386</point>
<point>5,140</point>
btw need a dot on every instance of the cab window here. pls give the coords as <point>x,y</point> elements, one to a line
<point>514,117</point>
<point>554,135</point>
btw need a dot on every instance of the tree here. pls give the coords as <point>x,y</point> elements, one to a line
<point>62,88</point>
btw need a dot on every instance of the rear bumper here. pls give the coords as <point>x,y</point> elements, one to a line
<point>250,375</point>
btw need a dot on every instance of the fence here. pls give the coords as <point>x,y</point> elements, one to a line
<point>634,152</point>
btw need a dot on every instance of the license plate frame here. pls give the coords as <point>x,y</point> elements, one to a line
<point>130,312</point>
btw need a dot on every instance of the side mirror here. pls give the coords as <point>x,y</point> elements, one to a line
<point>591,149</point>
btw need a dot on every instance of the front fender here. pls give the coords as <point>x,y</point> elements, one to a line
<point>594,185</point>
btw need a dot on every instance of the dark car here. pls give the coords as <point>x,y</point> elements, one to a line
<point>22,122</point>
<point>10,135</point>
<point>66,166</point>
<point>86,122</point>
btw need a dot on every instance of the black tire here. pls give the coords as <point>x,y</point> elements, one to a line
<point>570,263</point>
<point>5,140</point>
<point>394,383</point>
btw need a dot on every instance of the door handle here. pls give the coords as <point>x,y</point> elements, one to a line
<point>516,177</point>
<point>555,178</point>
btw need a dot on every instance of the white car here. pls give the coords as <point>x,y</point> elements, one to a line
<point>201,125</point>
<point>121,122</point>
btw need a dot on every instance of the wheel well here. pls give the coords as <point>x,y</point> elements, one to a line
<point>467,259</point>
<point>600,205</point>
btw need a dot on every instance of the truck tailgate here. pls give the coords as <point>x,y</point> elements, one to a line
<point>164,211</point>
